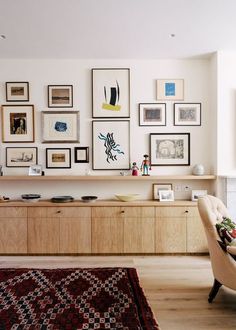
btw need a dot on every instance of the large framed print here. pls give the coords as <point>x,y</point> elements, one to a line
<point>21,157</point>
<point>60,126</point>
<point>58,158</point>
<point>168,149</point>
<point>60,96</point>
<point>17,91</point>
<point>152,114</point>
<point>18,123</point>
<point>111,93</point>
<point>111,145</point>
<point>187,114</point>
<point>170,89</point>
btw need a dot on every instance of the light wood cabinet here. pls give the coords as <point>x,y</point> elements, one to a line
<point>13,230</point>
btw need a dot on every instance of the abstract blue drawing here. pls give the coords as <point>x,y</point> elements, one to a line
<point>60,126</point>
<point>111,148</point>
<point>170,89</point>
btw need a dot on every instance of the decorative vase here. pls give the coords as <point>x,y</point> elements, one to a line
<point>198,169</point>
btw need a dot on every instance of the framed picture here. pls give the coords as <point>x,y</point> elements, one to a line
<point>35,170</point>
<point>81,154</point>
<point>58,158</point>
<point>198,193</point>
<point>111,145</point>
<point>166,195</point>
<point>60,96</point>
<point>18,123</point>
<point>170,149</point>
<point>60,126</point>
<point>21,157</point>
<point>17,91</point>
<point>158,187</point>
<point>187,114</point>
<point>111,93</point>
<point>152,114</point>
<point>170,89</point>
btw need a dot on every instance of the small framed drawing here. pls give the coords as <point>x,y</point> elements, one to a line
<point>60,96</point>
<point>152,114</point>
<point>198,193</point>
<point>35,170</point>
<point>58,158</point>
<point>166,195</point>
<point>21,157</point>
<point>60,126</point>
<point>111,145</point>
<point>111,93</point>
<point>158,187</point>
<point>170,89</point>
<point>18,123</point>
<point>187,114</point>
<point>17,91</point>
<point>81,154</point>
<point>170,149</point>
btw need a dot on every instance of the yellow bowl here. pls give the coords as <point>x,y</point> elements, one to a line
<point>127,198</point>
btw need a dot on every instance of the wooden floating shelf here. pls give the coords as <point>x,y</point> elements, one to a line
<point>105,177</point>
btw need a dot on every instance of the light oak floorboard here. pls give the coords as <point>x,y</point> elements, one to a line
<point>176,287</point>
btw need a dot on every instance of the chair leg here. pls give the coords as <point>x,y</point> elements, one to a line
<point>214,290</point>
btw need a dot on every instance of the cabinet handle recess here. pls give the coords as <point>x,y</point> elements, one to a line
<point>122,211</point>
<point>58,211</point>
<point>186,211</point>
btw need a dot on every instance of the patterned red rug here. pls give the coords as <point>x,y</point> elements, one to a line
<point>66,299</point>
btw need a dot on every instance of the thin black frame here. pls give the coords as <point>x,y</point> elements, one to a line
<point>186,103</point>
<point>51,167</point>
<point>151,103</point>
<point>36,155</point>
<point>86,160</point>
<point>168,164</point>
<point>61,105</point>
<point>18,82</point>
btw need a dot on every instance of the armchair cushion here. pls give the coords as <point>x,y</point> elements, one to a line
<point>227,231</point>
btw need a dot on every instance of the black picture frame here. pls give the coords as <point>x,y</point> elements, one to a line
<point>56,161</point>
<point>81,154</point>
<point>152,114</point>
<point>60,96</point>
<point>21,156</point>
<point>188,114</point>
<point>17,91</point>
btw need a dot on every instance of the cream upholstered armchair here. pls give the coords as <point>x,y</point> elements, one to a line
<point>222,257</point>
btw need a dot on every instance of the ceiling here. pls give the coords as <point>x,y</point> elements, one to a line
<point>99,29</point>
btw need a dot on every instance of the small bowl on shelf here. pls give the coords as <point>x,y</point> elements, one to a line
<point>127,197</point>
<point>31,197</point>
<point>89,199</point>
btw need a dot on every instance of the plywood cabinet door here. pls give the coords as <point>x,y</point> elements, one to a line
<point>107,230</point>
<point>13,235</point>
<point>139,230</point>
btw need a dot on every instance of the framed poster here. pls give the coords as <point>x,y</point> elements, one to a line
<point>58,158</point>
<point>17,91</point>
<point>18,123</point>
<point>111,93</point>
<point>60,96</point>
<point>111,145</point>
<point>81,154</point>
<point>170,89</point>
<point>187,114</point>
<point>21,157</point>
<point>152,114</point>
<point>60,126</point>
<point>168,149</point>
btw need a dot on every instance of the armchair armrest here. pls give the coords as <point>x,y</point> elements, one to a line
<point>231,250</point>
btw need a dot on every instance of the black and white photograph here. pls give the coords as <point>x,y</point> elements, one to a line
<point>21,157</point>
<point>157,187</point>
<point>35,170</point>
<point>187,114</point>
<point>166,195</point>
<point>152,114</point>
<point>198,193</point>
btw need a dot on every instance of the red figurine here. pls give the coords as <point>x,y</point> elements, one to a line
<point>134,169</point>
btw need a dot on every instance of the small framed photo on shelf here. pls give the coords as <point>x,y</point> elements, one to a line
<point>170,89</point>
<point>21,157</point>
<point>58,158</point>
<point>60,126</point>
<point>158,187</point>
<point>166,195</point>
<point>35,170</point>
<point>170,149</point>
<point>17,91</point>
<point>17,123</point>
<point>152,114</point>
<point>187,114</point>
<point>60,96</point>
<point>81,155</point>
<point>198,193</point>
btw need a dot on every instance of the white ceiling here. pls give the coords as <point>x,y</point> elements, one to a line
<point>116,28</point>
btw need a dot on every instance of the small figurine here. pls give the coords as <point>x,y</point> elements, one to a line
<point>145,166</point>
<point>134,169</point>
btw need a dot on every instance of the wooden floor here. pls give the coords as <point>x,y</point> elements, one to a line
<point>176,287</point>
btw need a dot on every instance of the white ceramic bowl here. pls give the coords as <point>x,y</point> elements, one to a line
<point>127,197</point>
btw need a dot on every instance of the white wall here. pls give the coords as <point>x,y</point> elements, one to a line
<point>40,73</point>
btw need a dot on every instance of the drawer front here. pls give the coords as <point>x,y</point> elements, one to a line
<point>136,212</point>
<point>193,211</point>
<point>171,211</point>
<point>107,212</point>
<point>68,212</point>
<point>13,212</point>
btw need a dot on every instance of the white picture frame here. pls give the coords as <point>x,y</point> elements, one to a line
<point>198,193</point>
<point>35,170</point>
<point>166,195</point>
